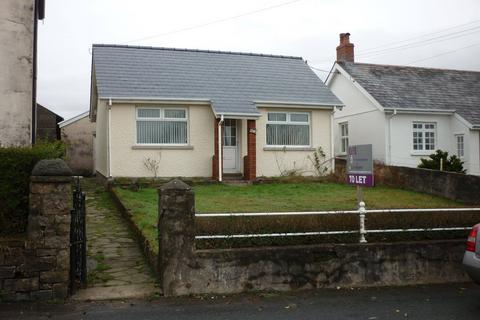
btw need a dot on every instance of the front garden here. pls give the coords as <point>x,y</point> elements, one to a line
<point>308,196</point>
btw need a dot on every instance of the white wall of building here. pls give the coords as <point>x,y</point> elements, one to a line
<point>392,135</point>
<point>128,161</point>
<point>366,122</point>
<point>275,162</point>
<point>16,67</point>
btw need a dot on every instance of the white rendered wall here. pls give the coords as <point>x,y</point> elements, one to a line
<point>272,163</point>
<point>101,139</point>
<point>126,161</point>
<point>366,123</point>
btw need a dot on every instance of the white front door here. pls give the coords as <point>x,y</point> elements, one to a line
<point>230,146</point>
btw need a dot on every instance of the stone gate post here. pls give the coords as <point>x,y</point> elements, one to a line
<point>49,227</point>
<point>176,232</point>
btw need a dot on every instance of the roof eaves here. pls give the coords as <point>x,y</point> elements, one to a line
<point>74,119</point>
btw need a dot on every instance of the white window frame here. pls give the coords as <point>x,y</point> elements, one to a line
<point>162,118</point>
<point>289,122</point>
<point>461,154</point>
<point>423,130</point>
<point>343,125</point>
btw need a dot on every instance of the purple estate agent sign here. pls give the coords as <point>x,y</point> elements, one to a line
<point>360,165</point>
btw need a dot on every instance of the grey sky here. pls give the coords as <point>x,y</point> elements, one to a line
<point>307,28</point>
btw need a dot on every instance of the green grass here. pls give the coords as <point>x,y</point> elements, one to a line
<point>275,197</point>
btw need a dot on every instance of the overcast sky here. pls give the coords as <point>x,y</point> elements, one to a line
<point>440,34</point>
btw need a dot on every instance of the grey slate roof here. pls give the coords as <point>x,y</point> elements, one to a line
<point>420,88</point>
<point>231,81</point>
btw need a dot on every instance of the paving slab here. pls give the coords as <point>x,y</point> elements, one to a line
<point>116,267</point>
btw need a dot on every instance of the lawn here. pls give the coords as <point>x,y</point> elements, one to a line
<point>281,197</point>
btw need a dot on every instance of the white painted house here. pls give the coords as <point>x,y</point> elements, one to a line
<point>201,113</point>
<point>406,113</point>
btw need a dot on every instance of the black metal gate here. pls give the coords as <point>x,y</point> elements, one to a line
<point>78,240</point>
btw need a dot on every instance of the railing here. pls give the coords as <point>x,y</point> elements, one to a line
<point>362,231</point>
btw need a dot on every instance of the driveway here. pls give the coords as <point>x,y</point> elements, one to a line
<point>453,301</point>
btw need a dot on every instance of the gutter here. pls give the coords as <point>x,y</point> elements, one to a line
<point>416,110</point>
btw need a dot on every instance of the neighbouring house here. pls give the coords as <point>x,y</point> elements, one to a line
<point>406,113</point>
<point>78,133</point>
<point>47,124</point>
<point>18,61</point>
<point>197,113</point>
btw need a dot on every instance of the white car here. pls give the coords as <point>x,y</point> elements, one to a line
<point>471,259</point>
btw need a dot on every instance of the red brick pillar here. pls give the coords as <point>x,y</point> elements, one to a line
<point>215,150</point>
<point>250,170</point>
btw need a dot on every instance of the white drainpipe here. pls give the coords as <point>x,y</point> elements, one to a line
<point>220,160</point>
<point>108,137</point>
<point>332,141</point>
<point>390,136</point>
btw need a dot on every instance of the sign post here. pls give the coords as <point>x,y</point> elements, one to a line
<point>360,173</point>
<point>360,166</point>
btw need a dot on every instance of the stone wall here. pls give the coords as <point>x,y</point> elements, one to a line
<point>36,265</point>
<point>183,270</point>
<point>455,186</point>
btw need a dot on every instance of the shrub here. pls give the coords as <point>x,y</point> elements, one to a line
<point>453,163</point>
<point>16,164</point>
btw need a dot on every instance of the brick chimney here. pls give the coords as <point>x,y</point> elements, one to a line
<point>345,49</point>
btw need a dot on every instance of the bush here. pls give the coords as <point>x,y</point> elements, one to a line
<point>16,164</point>
<point>453,163</point>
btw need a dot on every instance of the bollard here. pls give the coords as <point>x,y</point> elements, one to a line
<point>362,213</point>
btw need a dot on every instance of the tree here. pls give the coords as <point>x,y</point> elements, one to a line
<point>453,163</point>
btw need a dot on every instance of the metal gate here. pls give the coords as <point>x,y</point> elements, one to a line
<point>78,240</point>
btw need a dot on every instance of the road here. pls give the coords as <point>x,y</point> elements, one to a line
<point>453,301</point>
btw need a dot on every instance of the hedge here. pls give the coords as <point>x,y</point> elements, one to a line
<point>16,164</point>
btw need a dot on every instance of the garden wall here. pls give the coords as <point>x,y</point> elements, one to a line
<point>35,265</point>
<point>455,186</point>
<point>183,270</point>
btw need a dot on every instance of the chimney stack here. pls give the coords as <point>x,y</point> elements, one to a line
<point>345,49</point>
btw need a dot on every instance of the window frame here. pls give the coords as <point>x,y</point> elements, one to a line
<point>423,130</point>
<point>162,118</point>
<point>344,137</point>
<point>457,136</point>
<point>289,122</point>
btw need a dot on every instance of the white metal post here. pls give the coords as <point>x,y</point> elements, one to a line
<point>361,213</point>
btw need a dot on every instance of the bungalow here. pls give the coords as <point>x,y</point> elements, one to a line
<point>406,113</point>
<point>197,113</point>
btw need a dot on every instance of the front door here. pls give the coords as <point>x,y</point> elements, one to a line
<point>230,146</point>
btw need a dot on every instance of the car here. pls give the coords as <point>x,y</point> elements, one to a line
<point>471,259</point>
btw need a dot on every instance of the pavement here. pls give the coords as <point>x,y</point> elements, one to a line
<point>452,301</point>
<point>115,264</point>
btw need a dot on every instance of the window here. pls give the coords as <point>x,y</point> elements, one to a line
<point>344,137</point>
<point>424,136</point>
<point>460,145</point>
<point>230,133</point>
<point>288,129</point>
<point>162,126</point>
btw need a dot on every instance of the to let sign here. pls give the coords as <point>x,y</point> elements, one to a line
<point>360,165</point>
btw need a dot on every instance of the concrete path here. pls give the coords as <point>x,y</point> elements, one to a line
<point>116,267</point>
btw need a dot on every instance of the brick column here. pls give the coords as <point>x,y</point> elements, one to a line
<point>215,148</point>
<point>250,163</point>
<point>49,228</point>
<point>176,230</point>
